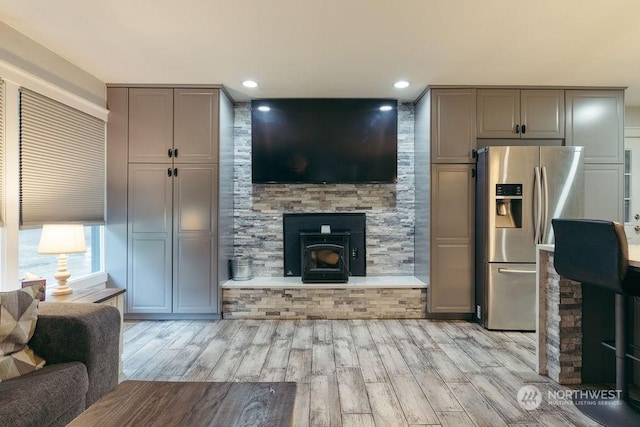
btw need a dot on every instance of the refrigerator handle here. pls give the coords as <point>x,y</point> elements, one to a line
<point>515,271</point>
<point>545,218</point>
<point>537,214</point>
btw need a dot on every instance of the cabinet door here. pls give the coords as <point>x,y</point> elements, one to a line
<point>451,287</point>
<point>149,239</point>
<point>542,114</point>
<point>603,195</point>
<point>195,284</point>
<point>150,125</point>
<point>595,120</point>
<point>453,116</point>
<point>498,113</point>
<point>196,126</point>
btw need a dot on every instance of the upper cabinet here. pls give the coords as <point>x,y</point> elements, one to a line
<point>453,125</point>
<point>516,113</point>
<point>167,125</point>
<point>595,120</point>
<point>196,125</point>
<point>150,125</point>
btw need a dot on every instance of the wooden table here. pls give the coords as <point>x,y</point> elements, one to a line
<point>145,403</point>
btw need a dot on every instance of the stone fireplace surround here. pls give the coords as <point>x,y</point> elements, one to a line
<point>389,208</point>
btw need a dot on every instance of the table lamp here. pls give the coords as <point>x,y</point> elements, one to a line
<point>62,239</point>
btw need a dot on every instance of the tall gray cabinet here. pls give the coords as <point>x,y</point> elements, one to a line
<point>179,201</point>
<point>445,143</point>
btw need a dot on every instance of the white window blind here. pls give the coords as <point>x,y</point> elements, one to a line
<point>62,163</point>
<point>2,203</point>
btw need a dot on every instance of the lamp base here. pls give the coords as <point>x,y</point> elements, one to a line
<point>61,276</point>
<point>62,290</point>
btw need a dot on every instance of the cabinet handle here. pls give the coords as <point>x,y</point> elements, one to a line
<point>474,153</point>
<point>175,172</point>
<point>517,128</point>
<point>524,129</point>
<point>175,153</point>
<point>473,173</point>
<point>170,152</point>
<point>169,171</point>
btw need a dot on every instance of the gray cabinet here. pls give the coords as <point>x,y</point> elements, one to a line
<point>196,125</point>
<point>172,238</point>
<point>451,287</point>
<point>173,199</point>
<point>149,254</point>
<point>595,120</point>
<point>150,125</point>
<point>453,125</point>
<point>167,125</point>
<point>516,113</point>
<point>603,195</point>
<point>195,268</point>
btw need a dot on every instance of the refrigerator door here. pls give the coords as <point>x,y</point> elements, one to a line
<point>562,172</point>
<point>511,297</point>
<point>510,241</point>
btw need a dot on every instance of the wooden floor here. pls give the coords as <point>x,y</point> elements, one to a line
<point>358,372</point>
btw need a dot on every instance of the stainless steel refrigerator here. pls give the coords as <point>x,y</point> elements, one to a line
<point>519,190</point>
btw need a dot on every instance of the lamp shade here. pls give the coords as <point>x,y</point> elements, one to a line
<point>62,239</point>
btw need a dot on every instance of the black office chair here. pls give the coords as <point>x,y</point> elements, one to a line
<point>595,252</point>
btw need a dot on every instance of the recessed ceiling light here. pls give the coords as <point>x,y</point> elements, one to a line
<point>264,108</point>
<point>401,84</point>
<point>250,83</point>
<point>386,108</point>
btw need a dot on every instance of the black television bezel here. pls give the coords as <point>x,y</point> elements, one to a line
<point>394,103</point>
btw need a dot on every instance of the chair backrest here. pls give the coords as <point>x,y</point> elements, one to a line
<point>591,251</point>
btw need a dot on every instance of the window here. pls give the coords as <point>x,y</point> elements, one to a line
<point>62,163</point>
<point>46,265</point>
<point>627,186</point>
<point>62,180</point>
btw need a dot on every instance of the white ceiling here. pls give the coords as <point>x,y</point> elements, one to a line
<point>341,48</point>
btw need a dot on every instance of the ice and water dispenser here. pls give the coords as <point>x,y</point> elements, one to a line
<point>508,206</point>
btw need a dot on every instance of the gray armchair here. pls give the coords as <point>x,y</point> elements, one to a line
<point>80,344</point>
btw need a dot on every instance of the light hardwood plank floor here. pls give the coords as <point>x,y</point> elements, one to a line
<point>358,372</point>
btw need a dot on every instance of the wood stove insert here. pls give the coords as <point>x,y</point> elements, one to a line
<point>324,257</point>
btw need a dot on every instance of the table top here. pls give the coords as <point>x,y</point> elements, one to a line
<point>634,255</point>
<point>89,295</point>
<point>192,404</point>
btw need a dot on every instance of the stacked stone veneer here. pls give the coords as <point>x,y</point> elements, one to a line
<point>307,303</point>
<point>563,343</point>
<point>389,208</point>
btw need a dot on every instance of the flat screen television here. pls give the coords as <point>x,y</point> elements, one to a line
<point>327,141</point>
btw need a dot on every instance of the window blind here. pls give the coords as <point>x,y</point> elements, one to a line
<point>62,163</point>
<point>2,137</point>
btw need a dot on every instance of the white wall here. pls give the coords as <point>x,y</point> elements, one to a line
<point>632,117</point>
<point>21,52</point>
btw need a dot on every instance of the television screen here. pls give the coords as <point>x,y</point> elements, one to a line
<point>324,141</point>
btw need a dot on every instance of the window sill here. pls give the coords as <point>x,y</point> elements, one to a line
<point>88,281</point>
